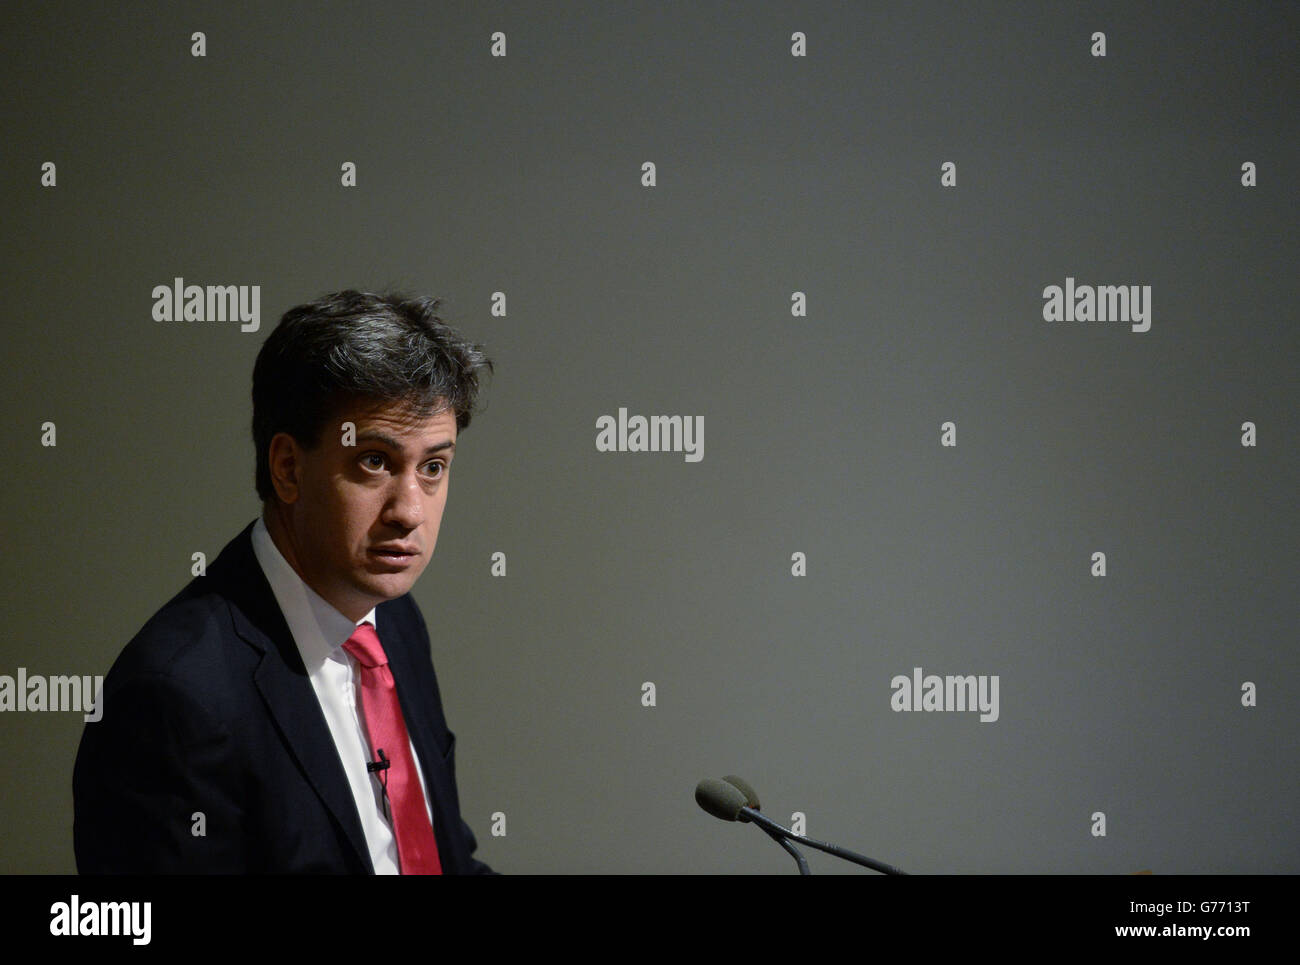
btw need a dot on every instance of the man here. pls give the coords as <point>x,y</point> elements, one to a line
<point>281,714</point>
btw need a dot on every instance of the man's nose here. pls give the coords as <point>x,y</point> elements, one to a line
<point>405,507</point>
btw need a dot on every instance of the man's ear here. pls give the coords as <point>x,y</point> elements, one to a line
<point>284,459</point>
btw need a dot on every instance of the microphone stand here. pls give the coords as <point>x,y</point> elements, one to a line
<point>780,834</point>
<point>795,853</point>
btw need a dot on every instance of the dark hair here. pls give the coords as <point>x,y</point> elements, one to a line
<point>358,346</point>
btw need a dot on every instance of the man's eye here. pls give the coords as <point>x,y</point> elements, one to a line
<point>436,468</point>
<point>373,460</point>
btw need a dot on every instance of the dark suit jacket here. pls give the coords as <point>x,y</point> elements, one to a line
<point>209,709</point>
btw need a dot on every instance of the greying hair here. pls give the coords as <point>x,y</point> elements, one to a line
<point>352,346</point>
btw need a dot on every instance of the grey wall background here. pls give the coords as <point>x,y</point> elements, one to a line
<point>776,174</point>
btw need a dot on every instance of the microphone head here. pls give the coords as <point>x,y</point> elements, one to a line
<point>743,786</point>
<point>720,799</point>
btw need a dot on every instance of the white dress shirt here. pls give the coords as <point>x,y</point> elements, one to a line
<point>320,631</point>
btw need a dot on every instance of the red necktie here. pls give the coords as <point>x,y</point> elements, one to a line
<point>417,849</point>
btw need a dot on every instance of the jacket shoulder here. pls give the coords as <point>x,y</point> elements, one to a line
<point>192,641</point>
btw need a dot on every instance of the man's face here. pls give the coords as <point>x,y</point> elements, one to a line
<point>363,520</point>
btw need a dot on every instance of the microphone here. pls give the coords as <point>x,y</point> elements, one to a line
<point>729,800</point>
<point>721,799</point>
<point>741,785</point>
<point>378,768</point>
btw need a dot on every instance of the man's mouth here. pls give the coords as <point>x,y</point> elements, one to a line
<point>397,554</point>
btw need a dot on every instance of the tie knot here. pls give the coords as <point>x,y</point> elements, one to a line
<point>364,645</point>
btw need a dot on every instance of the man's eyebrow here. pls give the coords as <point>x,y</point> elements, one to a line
<point>391,443</point>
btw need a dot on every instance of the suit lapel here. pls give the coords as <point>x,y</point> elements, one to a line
<point>283,683</point>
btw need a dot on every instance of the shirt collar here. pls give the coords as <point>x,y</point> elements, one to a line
<point>318,629</point>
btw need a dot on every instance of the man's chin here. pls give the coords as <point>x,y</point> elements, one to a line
<point>389,586</point>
